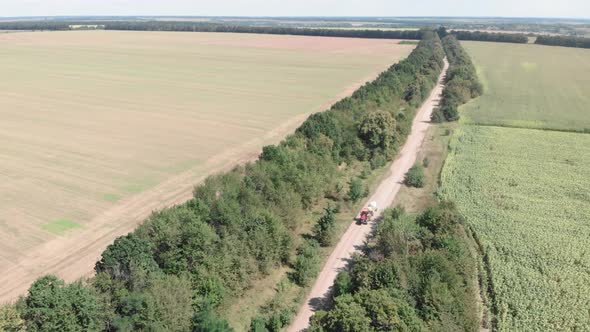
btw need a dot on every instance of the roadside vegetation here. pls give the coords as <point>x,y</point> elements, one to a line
<point>184,262</point>
<point>419,271</point>
<point>415,275</point>
<point>462,83</point>
<point>415,176</point>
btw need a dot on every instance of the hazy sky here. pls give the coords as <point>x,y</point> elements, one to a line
<point>520,8</point>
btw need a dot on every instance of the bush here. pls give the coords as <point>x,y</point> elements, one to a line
<point>307,263</point>
<point>10,319</point>
<point>437,116</point>
<point>378,161</point>
<point>324,229</point>
<point>343,284</point>
<point>53,306</point>
<point>357,190</point>
<point>208,321</point>
<point>415,177</point>
<point>426,162</point>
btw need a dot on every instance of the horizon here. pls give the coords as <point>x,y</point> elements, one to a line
<point>571,9</point>
<point>307,16</point>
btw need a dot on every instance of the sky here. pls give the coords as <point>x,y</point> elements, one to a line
<point>506,8</point>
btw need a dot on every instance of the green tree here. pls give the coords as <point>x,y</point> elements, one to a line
<point>388,313</point>
<point>53,306</point>
<point>347,316</point>
<point>126,254</point>
<point>415,177</point>
<point>208,321</point>
<point>357,190</point>
<point>343,284</point>
<point>324,229</point>
<point>378,129</point>
<point>172,297</point>
<point>307,263</point>
<point>136,312</point>
<point>10,319</point>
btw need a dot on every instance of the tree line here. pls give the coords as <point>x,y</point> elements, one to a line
<point>462,83</point>
<point>417,274</point>
<point>214,27</point>
<point>183,262</point>
<point>567,41</point>
<point>275,30</point>
<point>497,37</point>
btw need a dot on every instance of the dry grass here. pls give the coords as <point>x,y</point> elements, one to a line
<point>92,119</point>
<point>434,149</point>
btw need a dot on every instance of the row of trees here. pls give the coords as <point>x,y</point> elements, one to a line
<point>497,37</point>
<point>567,41</point>
<point>183,262</point>
<point>212,27</point>
<point>416,275</point>
<point>462,83</point>
<point>274,30</point>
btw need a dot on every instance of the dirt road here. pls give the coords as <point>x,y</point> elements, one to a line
<point>73,257</point>
<point>384,195</point>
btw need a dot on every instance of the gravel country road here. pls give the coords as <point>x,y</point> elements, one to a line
<point>384,195</point>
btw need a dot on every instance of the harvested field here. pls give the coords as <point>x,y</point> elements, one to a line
<point>531,86</point>
<point>102,127</point>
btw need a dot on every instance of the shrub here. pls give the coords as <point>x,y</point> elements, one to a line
<point>324,229</point>
<point>426,162</point>
<point>258,324</point>
<point>53,306</point>
<point>356,191</point>
<point>10,319</point>
<point>377,129</point>
<point>415,177</point>
<point>378,161</point>
<point>307,263</point>
<point>208,321</point>
<point>437,116</point>
<point>343,284</point>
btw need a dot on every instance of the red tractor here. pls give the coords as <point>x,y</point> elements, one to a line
<point>366,215</point>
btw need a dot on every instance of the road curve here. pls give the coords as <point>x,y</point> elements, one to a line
<point>384,195</point>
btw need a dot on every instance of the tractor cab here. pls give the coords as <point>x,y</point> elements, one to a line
<point>365,216</point>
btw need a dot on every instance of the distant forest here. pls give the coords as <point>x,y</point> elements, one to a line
<point>580,42</point>
<point>241,28</point>
<point>492,36</point>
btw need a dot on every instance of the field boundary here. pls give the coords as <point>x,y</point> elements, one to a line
<point>84,248</point>
<point>573,131</point>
